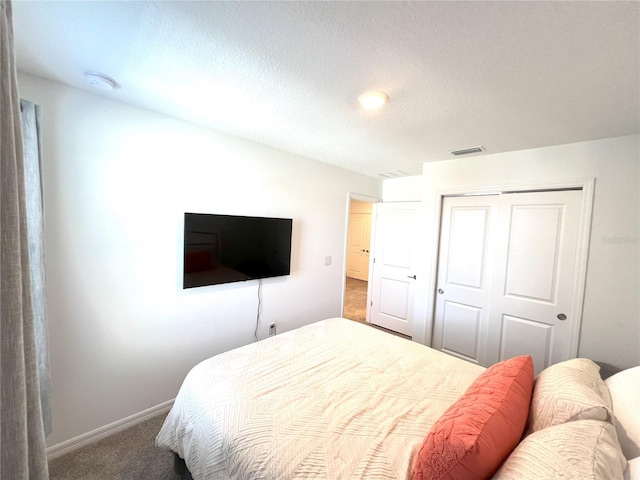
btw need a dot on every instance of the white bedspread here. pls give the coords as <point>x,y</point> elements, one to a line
<point>332,400</point>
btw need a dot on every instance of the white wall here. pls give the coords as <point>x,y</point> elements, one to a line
<point>611,315</point>
<point>117,180</point>
<point>404,189</point>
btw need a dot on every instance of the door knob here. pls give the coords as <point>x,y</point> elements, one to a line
<point>440,291</point>
<point>562,316</point>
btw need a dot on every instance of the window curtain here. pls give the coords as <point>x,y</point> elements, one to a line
<point>22,445</point>
<point>34,208</point>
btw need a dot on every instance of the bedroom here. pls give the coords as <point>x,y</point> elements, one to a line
<point>118,177</point>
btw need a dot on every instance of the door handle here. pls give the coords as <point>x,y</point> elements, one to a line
<point>562,316</point>
<point>440,291</point>
<point>411,276</point>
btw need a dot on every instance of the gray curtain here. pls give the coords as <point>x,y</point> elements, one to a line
<point>22,446</point>
<point>34,208</point>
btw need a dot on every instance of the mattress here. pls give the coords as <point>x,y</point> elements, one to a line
<point>334,399</point>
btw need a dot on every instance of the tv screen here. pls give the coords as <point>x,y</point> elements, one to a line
<point>230,248</point>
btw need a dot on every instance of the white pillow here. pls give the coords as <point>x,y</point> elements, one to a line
<point>574,450</point>
<point>624,388</point>
<point>568,391</point>
<point>633,469</point>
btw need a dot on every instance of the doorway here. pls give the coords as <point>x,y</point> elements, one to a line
<point>357,259</point>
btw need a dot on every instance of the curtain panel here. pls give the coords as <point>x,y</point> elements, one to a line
<point>22,445</point>
<point>30,115</point>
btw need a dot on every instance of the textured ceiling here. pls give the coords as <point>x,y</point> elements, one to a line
<point>507,75</point>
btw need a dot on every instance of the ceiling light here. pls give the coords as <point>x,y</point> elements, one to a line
<point>99,81</point>
<point>467,151</point>
<point>373,100</point>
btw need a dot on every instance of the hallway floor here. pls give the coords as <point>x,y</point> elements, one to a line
<point>355,300</point>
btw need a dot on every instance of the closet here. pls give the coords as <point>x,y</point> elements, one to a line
<point>508,277</point>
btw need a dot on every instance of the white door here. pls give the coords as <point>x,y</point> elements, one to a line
<point>507,273</point>
<point>464,277</point>
<point>392,286</point>
<point>358,243</point>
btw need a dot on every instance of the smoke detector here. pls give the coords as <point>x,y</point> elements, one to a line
<point>100,81</point>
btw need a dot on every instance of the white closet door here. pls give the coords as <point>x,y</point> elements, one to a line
<point>534,277</point>
<point>464,277</point>
<point>392,288</point>
<point>507,277</point>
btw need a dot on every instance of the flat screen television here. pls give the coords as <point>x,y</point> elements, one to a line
<point>231,248</point>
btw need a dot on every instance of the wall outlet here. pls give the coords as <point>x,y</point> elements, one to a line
<point>272,329</point>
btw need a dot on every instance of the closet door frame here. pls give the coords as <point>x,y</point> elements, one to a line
<point>587,186</point>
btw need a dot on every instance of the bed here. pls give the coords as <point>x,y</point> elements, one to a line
<point>341,400</point>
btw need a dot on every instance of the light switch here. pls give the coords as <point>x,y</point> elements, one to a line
<point>327,260</point>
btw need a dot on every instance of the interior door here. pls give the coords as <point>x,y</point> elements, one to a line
<point>506,277</point>
<point>358,245</point>
<point>392,287</point>
<point>464,277</point>
<point>534,277</point>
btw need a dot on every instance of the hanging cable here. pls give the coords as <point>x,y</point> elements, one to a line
<point>255,332</point>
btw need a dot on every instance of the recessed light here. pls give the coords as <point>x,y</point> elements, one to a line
<point>373,100</point>
<point>99,81</point>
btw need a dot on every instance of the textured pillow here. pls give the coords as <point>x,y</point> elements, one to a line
<point>624,388</point>
<point>574,450</point>
<point>476,434</point>
<point>566,391</point>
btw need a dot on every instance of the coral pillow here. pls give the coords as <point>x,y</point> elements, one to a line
<point>475,435</point>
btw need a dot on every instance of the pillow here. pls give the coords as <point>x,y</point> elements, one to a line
<point>566,391</point>
<point>633,469</point>
<point>624,388</point>
<point>580,449</point>
<point>476,434</point>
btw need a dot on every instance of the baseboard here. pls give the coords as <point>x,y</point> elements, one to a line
<point>93,436</point>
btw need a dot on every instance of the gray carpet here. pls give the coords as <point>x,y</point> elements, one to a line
<point>130,454</point>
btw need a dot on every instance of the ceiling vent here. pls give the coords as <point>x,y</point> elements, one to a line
<point>467,151</point>
<point>396,174</point>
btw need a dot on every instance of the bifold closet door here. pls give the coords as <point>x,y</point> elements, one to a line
<point>507,276</point>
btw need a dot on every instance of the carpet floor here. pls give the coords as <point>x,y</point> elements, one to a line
<point>127,455</point>
<point>355,300</point>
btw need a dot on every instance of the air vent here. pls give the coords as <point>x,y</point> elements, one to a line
<point>396,174</point>
<point>467,151</point>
